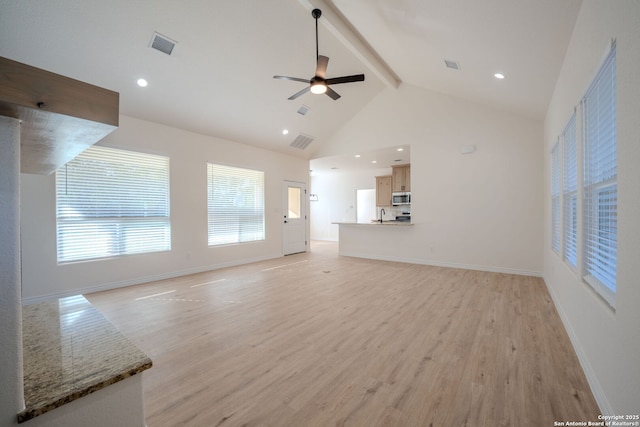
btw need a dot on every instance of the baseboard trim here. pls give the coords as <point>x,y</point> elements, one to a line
<point>592,379</point>
<point>141,280</point>
<point>444,264</point>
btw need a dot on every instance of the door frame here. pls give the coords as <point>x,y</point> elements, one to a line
<point>285,207</point>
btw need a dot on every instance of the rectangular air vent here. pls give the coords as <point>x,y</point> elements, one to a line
<point>303,110</point>
<point>302,141</point>
<point>162,43</point>
<point>451,64</point>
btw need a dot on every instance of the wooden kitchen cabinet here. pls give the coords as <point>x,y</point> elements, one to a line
<point>60,117</point>
<point>383,190</point>
<point>401,178</point>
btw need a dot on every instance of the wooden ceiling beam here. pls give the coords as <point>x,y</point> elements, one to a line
<point>60,117</point>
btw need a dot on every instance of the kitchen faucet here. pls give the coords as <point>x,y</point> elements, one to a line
<point>382,212</point>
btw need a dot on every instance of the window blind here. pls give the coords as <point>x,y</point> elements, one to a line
<point>600,180</point>
<point>235,204</point>
<point>555,198</point>
<point>570,192</point>
<point>112,202</point>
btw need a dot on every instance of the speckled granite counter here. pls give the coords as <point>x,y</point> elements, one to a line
<point>378,223</point>
<point>71,350</point>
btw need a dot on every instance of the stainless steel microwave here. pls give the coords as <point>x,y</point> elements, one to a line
<point>403,198</point>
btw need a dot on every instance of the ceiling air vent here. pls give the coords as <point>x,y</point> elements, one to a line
<point>302,141</point>
<point>162,43</point>
<point>303,110</point>
<point>451,64</point>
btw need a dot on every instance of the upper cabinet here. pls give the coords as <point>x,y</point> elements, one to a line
<point>60,117</point>
<point>383,190</point>
<point>401,178</point>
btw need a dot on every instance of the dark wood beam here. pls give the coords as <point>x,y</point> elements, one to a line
<point>60,117</point>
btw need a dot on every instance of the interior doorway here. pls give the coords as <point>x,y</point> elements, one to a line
<point>365,205</point>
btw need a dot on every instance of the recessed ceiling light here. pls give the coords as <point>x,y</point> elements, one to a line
<point>373,161</point>
<point>499,76</point>
<point>357,155</point>
<point>142,83</point>
<point>285,131</point>
<point>400,149</point>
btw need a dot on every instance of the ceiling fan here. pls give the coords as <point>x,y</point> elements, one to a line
<point>319,84</point>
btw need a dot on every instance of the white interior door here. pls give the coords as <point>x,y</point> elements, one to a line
<point>295,217</point>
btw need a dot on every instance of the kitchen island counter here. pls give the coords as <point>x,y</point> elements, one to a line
<point>375,240</point>
<point>378,223</point>
<point>70,351</point>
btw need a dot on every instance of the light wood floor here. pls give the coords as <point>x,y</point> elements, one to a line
<point>321,340</point>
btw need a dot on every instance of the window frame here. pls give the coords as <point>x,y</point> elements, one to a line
<point>130,214</point>
<point>555,198</point>
<point>226,225</point>
<point>599,142</point>
<point>570,193</point>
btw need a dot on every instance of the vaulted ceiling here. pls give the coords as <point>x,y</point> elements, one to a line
<point>219,78</point>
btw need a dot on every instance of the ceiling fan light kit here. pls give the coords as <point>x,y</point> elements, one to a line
<point>318,88</point>
<point>319,84</point>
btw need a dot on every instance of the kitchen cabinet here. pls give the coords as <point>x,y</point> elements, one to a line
<point>383,190</point>
<point>401,178</point>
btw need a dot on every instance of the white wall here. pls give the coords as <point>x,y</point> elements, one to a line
<point>189,152</point>
<point>481,210</point>
<point>607,342</point>
<point>120,404</point>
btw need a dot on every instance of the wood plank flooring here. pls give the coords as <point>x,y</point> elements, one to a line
<point>320,340</point>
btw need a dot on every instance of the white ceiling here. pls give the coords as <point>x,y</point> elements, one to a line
<point>524,39</point>
<point>377,159</point>
<point>218,81</point>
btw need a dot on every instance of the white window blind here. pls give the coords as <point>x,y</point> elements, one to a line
<point>600,181</point>
<point>570,193</point>
<point>112,202</point>
<point>235,204</point>
<point>555,198</point>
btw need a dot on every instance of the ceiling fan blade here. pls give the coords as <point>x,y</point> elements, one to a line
<point>295,79</point>
<point>345,79</point>
<point>299,93</point>
<point>321,68</point>
<point>319,81</point>
<point>332,93</point>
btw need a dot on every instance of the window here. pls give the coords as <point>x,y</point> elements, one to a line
<point>555,198</point>
<point>570,193</point>
<point>600,181</point>
<point>235,204</point>
<point>295,202</point>
<point>112,202</point>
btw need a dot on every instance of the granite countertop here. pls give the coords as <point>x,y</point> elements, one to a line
<point>71,350</point>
